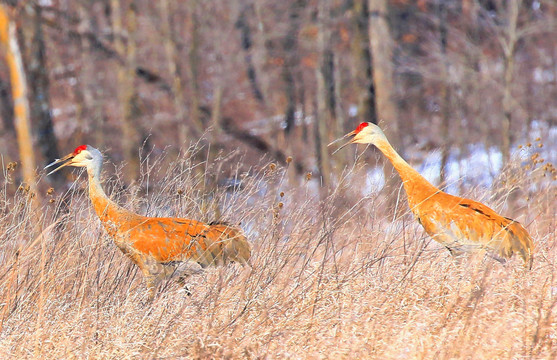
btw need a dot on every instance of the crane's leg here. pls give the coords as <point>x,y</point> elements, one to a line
<point>494,256</point>
<point>151,282</point>
<point>186,269</point>
<point>153,272</point>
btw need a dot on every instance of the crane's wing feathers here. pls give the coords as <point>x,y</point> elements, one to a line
<point>465,225</point>
<point>485,211</point>
<point>174,239</point>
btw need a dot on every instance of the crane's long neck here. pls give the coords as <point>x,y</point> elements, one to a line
<point>416,186</point>
<point>112,216</point>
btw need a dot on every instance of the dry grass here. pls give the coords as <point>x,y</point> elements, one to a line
<point>329,280</point>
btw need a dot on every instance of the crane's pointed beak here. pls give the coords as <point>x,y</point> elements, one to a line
<point>65,161</point>
<point>349,135</point>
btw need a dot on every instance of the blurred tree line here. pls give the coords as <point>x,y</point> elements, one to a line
<point>280,78</point>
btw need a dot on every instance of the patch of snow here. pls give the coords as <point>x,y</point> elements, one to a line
<point>375,180</point>
<point>479,166</point>
<point>543,76</point>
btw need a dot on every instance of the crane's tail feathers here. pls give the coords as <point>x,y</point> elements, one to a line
<point>234,244</point>
<point>522,243</point>
<point>238,248</point>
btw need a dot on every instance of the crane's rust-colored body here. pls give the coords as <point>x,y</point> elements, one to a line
<point>161,247</point>
<point>459,224</point>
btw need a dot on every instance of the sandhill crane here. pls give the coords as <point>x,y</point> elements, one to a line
<point>461,225</point>
<point>161,247</point>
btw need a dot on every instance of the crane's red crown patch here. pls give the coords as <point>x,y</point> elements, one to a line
<point>361,126</point>
<point>79,149</point>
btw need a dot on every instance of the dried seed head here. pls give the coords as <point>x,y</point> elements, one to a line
<point>538,138</point>
<point>50,191</point>
<point>24,187</point>
<point>280,205</point>
<point>180,191</point>
<point>520,146</point>
<point>12,165</point>
<point>272,166</point>
<point>289,159</point>
<point>308,176</point>
<point>51,200</point>
<point>529,144</point>
<point>281,194</point>
<point>540,145</point>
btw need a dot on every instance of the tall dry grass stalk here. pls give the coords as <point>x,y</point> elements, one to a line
<point>331,279</point>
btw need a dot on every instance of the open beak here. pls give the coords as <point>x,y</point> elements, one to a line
<point>349,135</point>
<point>65,161</point>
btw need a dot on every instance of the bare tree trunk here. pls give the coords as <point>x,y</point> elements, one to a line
<point>193,70</point>
<point>126,88</point>
<point>247,44</point>
<point>174,70</point>
<point>6,107</point>
<point>362,71</point>
<point>383,78</point>
<point>216,113</point>
<point>445,94</point>
<point>86,117</point>
<point>290,48</point>
<point>339,111</point>
<point>509,47</point>
<point>322,119</point>
<point>8,38</point>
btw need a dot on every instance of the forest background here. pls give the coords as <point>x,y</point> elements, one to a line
<point>223,110</point>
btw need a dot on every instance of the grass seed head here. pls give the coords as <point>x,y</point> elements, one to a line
<point>12,165</point>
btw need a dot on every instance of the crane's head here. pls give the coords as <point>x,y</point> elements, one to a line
<point>365,133</point>
<point>82,156</point>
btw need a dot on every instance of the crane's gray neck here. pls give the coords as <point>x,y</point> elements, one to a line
<point>94,172</point>
<point>95,167</point>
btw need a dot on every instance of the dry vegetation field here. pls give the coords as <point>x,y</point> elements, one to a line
<point>332,279</point>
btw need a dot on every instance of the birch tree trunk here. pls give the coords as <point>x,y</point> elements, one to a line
<point>12,53</point>
<point>39,92</point>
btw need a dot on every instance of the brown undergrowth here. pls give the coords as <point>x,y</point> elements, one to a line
<point>332,279</point>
